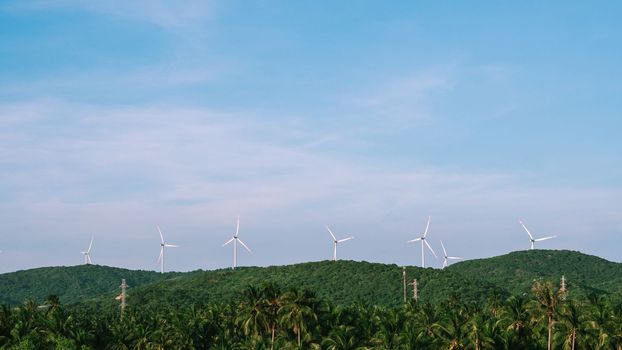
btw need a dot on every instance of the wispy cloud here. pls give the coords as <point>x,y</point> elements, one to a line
<point>403,100</point>
<point>72,167</point>
<point>169,15</point>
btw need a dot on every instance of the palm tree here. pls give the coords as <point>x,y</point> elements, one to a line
<point>546,302</point>
<point>341,338</point>
<point>271,295</point>
<point>453,330</point>
<point>252,311</point>
<point>615,327</point>
<point>571,322</point>
<point>517,319</point>
<point>389,324</point>
<point>600,315</point>
<point>296,311</point>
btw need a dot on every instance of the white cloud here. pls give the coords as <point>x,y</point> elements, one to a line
<point>74,170</point>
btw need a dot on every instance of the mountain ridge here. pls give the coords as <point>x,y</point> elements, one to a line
<point>343,281</point>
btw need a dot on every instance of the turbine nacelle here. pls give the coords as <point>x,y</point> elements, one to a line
<point>235,239</point>
<point>424,243</point>
<point>533,240</point>
<point>446,257</point>
<point>162,246</point>
<point>337,241</point>
<point>87,253</point>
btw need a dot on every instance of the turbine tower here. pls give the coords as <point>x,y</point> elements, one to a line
<point>235,239</point>
<point>162,246</point>
<point>424,242</point>
<point>336,241</point>
<point>87,254</point>
<point>447,258</point>
<point>534,240</point>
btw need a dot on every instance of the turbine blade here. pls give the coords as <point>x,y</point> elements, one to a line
<point>529,233</point>
<point>171,246</point>
<point>345,239</point>
<point>427,226</point>
<point>161,253</point>
<point>444,251</point>
<point>90,245</point>
<point>414,240</point>
<point>244,245</point>
<point>331,233</point>
<point>429,247</point>
<point>454,258</point>
<point>544,238</point>
<point>161,236</point>
<point>229,241</point>
<point>237,226</point>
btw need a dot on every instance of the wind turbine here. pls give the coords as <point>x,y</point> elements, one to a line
<point>235,239</point>
<point>87,254</point>
<point>337,241</point>
<point>447,258</point>
<point>162,246</point>
<point>531,239</point>
<point>424,242</point>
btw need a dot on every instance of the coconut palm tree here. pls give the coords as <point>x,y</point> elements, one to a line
<point>297,311</point>
<point>546,302</point>
<point>571,324</point>
<point>518,322</point>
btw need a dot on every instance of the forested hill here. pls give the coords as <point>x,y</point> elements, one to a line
<point>515,272</point>
<point>342,282</point>
<point>71,283</point>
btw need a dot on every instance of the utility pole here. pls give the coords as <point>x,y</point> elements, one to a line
<point>123,295</point>
<point>415,291</point>
<point>404,278</point>
<point>562,288</point>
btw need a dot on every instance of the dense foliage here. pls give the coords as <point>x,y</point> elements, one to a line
<point>72,284</point>
<point>516,271</point>
<point>341,282</point>
<point>272,318</point>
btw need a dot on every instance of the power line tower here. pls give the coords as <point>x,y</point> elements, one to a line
<point>404,279</point>
<point>123,295</point>
<point>562,288</point>
<point>415,290</point>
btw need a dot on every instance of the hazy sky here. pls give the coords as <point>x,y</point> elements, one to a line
<point>117,116</point>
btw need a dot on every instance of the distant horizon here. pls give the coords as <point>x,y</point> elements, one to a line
<point>119,116</point>
<point>314,261</point>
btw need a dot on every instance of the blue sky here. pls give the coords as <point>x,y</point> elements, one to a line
<point>119,116</point>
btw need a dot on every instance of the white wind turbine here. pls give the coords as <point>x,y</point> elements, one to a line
<point>424,242</point>
<point>87,254</point>
<point>337,241</point>
<point>235,239</point>
<point>162,246</point>
<point>531,239</point>
<point>447,258</point>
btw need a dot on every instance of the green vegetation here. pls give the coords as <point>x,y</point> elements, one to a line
<point>507,302</point>
<point>343,282</point>
<point>516,272</point>
<point>72,284</point>
<point>272,318</point>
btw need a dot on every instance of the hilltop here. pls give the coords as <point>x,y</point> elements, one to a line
<point>516,271</point>
<point>72,284</point>
<point>342,282</point>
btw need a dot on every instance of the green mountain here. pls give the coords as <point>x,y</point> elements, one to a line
<point>516,272</point>
<point>72,284</point>
<point>342,282</point>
